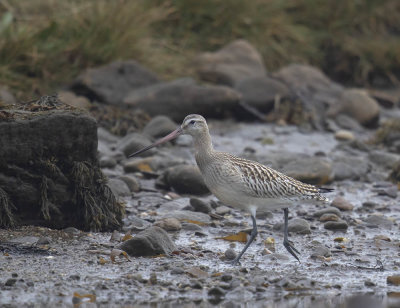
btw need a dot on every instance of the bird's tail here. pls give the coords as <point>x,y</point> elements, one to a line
<point>324,190</point>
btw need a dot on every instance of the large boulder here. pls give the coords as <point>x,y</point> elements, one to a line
<point>49,172</point>
<point>262,92</point>
<point>181,97</point>
<point>357,104</point>
<point>111,83</point>
<point>315,91</point>
<point>231,64</point>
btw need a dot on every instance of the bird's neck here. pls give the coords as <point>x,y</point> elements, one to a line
<point>203,148</point>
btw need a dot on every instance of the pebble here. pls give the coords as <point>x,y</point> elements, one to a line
<point>342,204</point>
<point>107,162</point>
<point>296,225</point>
<point>230,254</point>
<point>328,210</point>
<point>375,221</point>
<point>344,135</point>
<point>329,217</point>
<point>119,188</point>
<point>336,225</point>
<point>10,282</point>
<point>43,240</point>
<point>132,182</point>
<point>169,224</point>
<point>216,292</point>
<point>186,179</point>
<point>189,215</point>
<point>393,280</point>
<point>320,251</point>
<point>226,277</point>
<point>222,210</point>
<point>369,283</point>
<point>200,206</point>
<point>177,271</point>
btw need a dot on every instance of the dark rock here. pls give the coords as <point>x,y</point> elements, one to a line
<point>150,242</point>
<point>336,225</point>
<point>262,92</point>
<point>112,82</point>
<point>189,216</point>
<point>384,99</point>
<point>296,225</point>
<point>177,99</point>
<point>216,292</point>
<point>312,170</point>
<point>137,224</point>
<point>231,64</point>
<point>328,210</point>
<point>159,126</point>
<point>10,282</point>
<point>388,191</point>
<point>342,204</point>
<point>132,182</point>
<point>177,271</point>
<point>226,277</point>
<point>329,217</point>
<point>191,227</point>
<point>200,206</point>
<point>134,142</point>
<point>43,240</point>
<point>357,104</point>
<point>119,188</point>
<point>186,179</point>
<point>50,173</point>
<point>378,221</point>
<point>169,224</point>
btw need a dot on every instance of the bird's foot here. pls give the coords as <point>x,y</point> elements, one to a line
<point>292,250</point>
<point>235,262</point>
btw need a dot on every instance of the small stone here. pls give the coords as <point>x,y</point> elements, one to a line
<point>169,224</point>
<point>186,179</point>
<point>394,280</point>
<point>72,230</point>
<point>330,210</point>
<point>370,204</point>
<point>216,292</point>
<point>377,221</point>
<point>226,277</point>
<point>177,271</point>
<point>75,277</point>
<point>153,278</point>
<point>132,182</point>
<point>342,204</point>
<point>10,282</point>
<point>43,240</point>
<point>369,283</point>
<point>320,251</point>
<point>119,188</point>
<point>107,162</point>
<point>230,254</point>
<point>200,206</point>
<point>296,225</point>
<point>344,135</point>
<point>159,126</point>
<point>190,216</point>
<point>329,217</point>
<point>336,225</point>
<point>222,210</point>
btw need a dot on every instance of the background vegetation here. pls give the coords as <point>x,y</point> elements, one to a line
<point>45,43</point>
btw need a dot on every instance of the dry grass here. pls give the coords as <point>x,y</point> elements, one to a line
<point>45,43</point>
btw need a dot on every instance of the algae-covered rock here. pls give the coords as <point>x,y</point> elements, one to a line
<point>49,171</point>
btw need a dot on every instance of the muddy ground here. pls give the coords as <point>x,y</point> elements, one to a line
<point>70,267</point>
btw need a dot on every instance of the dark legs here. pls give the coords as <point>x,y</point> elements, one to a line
<point>251,239</point>
<point>286,243</point>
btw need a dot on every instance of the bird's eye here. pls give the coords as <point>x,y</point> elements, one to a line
<point>192,122</point>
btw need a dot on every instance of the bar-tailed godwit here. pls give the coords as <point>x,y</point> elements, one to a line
<point>241,183</point>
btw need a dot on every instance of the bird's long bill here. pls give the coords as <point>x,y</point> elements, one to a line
<point>169,137</point>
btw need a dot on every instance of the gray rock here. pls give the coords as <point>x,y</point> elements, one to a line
<point>137,224</point>
<point>348,167</point>
<point>222,210</point>
<point>119,188</point>
<point>186,179</point>
<point>378,221</point>
<point>43,240</point>
<point>262,92</point>
<point>312,170</point>
<point>191,227</point>
<point>200,206</point>
<point>111,83</point>
<point>132,182</point>
<point>347,122</point>
<point>150,242</point>
<point>296,225</point>
<point>342,204</point>
<point>328,210</point>
<point>189,216</point>
<point>320,250</point>
<point>336,225</point>
<point>174,205</point>
<point>230,254</point>
<point>10,282</point>
<point>384,159</point>
<point>134,142</point>
<point>177,99</point>
<point>314,89</point>
<point>329,217</point>
<point>357,104</point>
<point>159,126</point>
<point>169,224</point>
<point>231,64</point>
<point>107,162</point>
